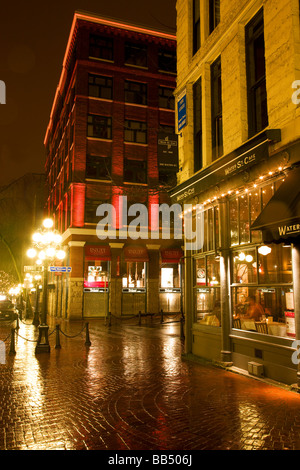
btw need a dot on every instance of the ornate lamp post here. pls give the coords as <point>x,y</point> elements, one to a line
<point>47,248</point>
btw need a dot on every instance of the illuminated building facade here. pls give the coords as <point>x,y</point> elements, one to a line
<point>113,105</point>
<point>238,120</point>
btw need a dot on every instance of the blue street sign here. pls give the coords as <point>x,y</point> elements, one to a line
<point>181,112</point>
<point>60,269</point>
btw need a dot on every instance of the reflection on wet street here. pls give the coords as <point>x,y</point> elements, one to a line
<point>131,390</point>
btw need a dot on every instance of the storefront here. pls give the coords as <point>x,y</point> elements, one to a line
<point>134,280</point>
<point>96,281</point>
<point>242,286</point>
<point>171,281</point>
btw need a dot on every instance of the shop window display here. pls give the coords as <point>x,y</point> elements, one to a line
<point>262,290</point>
<point>96,274</point>
<point>134,277</point>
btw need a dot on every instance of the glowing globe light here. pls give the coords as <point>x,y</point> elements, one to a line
<point>31,253</point>
<point>264,250</point>
<point>48,223</point>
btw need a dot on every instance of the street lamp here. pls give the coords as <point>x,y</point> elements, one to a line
<point>46,248</point>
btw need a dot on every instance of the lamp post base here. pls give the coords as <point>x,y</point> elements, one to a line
<point>43,345</point>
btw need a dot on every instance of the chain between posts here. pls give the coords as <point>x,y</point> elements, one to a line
<point>57,329</point>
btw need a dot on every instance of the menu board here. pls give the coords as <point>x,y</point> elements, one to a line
<point>290,324</point>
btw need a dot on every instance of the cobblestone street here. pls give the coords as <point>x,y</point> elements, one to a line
<point>131,390</point>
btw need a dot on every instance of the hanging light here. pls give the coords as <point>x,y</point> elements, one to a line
<point>264,250</point>
<point>249,258</point>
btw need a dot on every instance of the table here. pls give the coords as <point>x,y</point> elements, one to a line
<point>277,329</point>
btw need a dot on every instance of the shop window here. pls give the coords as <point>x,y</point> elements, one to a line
<point>196,26</point>
<point>207,291</point>
<point>96,274</point>
<point>262,290</point>
<point>101,47</point>
<point>99,127</point>
<point>214,14</point>
<point>101,87</point>
<point>135,92</point>
<point>170,276</point>
<point>135,171</point>
<point>197,98</point>
<point>135,54</point>
<point>166,99</point>
<point>216,110</point>
<point>135,132</point>
<point>98,167</point>
<point>256,75</point>
<point>135,275</point>
<point>167,60</point>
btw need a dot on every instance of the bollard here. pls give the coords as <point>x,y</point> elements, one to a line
<point>140,318</point>
<point>109,318</point>
<point>12,342</point>
<point>162,316</point>
<point>182,327</point>
<point>87,335</point>
<point>57,345</point>
<point>18,324</point>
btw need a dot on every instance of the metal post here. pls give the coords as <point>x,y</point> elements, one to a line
<point>36,320</point>
<point>87,335</point>
<point>161,316</point>
<point>57,345</point>
<point>12,349</point>
<point>182,327</point>
<point>109,318</point>
<point>140,319</point>
<point>43,328</point>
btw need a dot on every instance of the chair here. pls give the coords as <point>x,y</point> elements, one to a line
<point>261,327</point>
<point>236,323</point>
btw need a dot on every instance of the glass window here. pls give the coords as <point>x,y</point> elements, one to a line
<point>135,131</point>
<point>170,276</point>
<point>166,98</point>
<point>197,98</point>
<point>101,47</point>
<point>216,109</point>
<point>96,273</point>
<point>98,167</point>
<point>266,310</point>
<point>167,60</point>
<point>207,291</point>
<point>135,93</point>
<point>99,126</point>
<point>135,171</point>
<point>136,54</point>
<point>244,266</point>
<point>100,87</point>
<point>256,75</point>
<point>275,267</point>
<point>214,14</point>
<point>234,221</point>
<point>255,210</point>
<point>134,276</point>
<point>90,210</point>
<point>244,225</point>
<point>196,25</point>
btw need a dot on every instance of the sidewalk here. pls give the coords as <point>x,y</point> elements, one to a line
<point>130,390</point>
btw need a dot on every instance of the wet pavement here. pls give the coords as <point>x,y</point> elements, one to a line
<point>131,390</point>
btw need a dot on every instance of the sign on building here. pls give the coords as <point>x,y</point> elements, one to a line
<point>181,111</point>
<point>167,151</point>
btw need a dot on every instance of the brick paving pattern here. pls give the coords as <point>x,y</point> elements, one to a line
<point>131,390</point>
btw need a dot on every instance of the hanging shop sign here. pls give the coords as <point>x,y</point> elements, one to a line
<point>181,112</point>
<point>167,151</point>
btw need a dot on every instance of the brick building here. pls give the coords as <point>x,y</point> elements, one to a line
<point>113,105</point>
<point>239,155</point>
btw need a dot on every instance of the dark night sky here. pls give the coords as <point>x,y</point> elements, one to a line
<point>33,38</point>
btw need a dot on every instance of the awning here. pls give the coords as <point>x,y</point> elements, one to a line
<point>171,256</point>
<point>97,252</point>
<point>136,254</point>
<point>280,219</point>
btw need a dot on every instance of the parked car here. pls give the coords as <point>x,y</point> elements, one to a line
<point>7,309</point>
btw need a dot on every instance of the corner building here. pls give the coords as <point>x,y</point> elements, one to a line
<point>113,105</point>
<point>238,121</point>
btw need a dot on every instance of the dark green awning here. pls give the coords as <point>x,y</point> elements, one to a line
<point>280,219</point>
